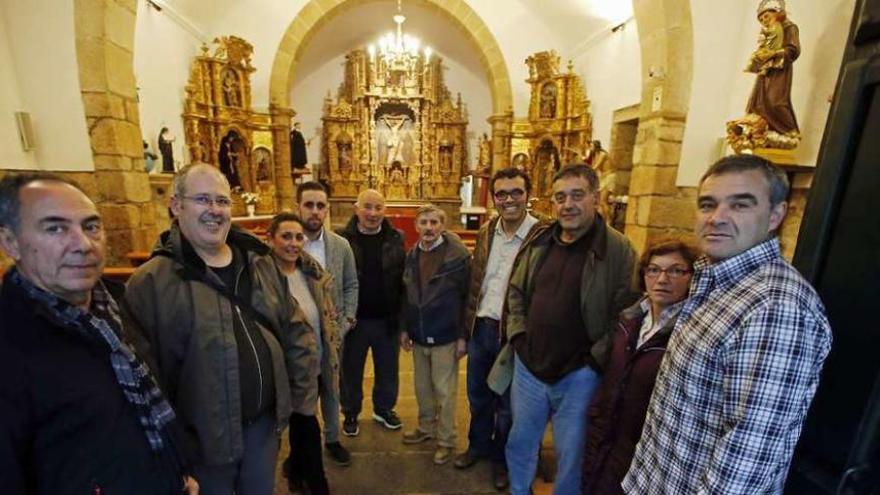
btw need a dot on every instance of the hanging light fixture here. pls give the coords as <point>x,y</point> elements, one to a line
<point>398,47</point>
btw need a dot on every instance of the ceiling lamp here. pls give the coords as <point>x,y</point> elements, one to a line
<point>398,48</point>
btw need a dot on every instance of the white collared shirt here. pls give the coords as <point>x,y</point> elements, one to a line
<point>317,249</point>
<point>498,267</point>
<point>649,326</point>
<point>434,246</point>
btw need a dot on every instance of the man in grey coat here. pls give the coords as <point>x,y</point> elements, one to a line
<point>334,254</point>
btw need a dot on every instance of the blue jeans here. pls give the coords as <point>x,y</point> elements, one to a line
<point>490,413</point>
<point>564,403</point>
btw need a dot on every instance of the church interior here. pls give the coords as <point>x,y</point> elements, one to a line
<point>424,100</point>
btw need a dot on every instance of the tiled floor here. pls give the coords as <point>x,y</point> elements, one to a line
<point>382,465</point>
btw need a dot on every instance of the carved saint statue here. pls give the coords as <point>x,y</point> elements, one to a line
<point>485,158</point>
<point>343,153</point>
<point>770,121</point>
<point>230,89</point>
<point>445,155</point>
<point>548,101</point>
<point>263,159</point>
<point>521,161</point>
<point>165,149</point>
<point>780,47</point>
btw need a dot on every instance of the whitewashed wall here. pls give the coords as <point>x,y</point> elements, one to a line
<point>38,74</point>
<point>164,48</point>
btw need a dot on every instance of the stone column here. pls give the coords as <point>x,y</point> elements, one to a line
<point>284,187</point>
<point>656,206</point>
<point>501,125</point>
<point>105,50</point>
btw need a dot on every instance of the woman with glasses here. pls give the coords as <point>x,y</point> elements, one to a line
<point>617,412</point>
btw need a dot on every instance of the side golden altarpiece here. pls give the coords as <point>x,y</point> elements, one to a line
<point>394,127</point>
<point>558,129</point>
<point>249,147</point>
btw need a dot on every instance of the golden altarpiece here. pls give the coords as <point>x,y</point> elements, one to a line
<point>223,130</point>
<point>558,128</point>
<point>394,127</point>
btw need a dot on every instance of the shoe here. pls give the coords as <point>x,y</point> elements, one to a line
<point>466,459</point>
<point>296,486</point>
<point>388,419</point>
<point>442,455</point>
<point>416,436</point>
<point>338,453</point>
<point>499,477</point>
<point>350,426</point>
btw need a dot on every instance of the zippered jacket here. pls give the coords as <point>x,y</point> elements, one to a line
<point>617,412</point>
<point>189,325</point>
<point>435,313</point>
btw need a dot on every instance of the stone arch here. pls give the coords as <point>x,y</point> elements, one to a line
<point>656,205</point>
<point>104,32</point>
<point>317,12</point>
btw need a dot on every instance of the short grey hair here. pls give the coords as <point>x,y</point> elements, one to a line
<point>10,187</point>
<point>178,183</point>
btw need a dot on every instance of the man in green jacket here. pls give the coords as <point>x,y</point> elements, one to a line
<point>220,321</point>
<point>569,282</point>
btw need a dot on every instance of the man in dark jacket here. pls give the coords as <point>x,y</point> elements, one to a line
<point>436,279</point>
<point>379,255</point>
<point>213,306</point>
<point>569,283</point>
<point>80,411</point>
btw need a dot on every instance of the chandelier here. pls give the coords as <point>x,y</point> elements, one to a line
<point>397,48</point>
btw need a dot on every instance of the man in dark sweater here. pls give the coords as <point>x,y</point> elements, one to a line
<point>570,281</point>
<point>80,411</point>
<point>379,256</point>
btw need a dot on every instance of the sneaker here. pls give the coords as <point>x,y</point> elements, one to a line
<point>338,453</point>
<point>388,419</point>
<point>350,426</point>
<point>416,436</point>
<point>442,455</point>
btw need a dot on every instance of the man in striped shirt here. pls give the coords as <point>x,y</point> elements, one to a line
<point>744,359</point>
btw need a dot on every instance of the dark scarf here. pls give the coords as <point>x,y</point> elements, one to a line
<point>103,326</point>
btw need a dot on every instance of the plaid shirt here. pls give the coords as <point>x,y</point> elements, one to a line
<point>741,369</point>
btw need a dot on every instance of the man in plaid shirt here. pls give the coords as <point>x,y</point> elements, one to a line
<point>743,362</point>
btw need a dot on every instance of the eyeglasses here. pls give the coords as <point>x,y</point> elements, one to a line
<point>673,272</point>
<point>515,194</point>
<point>208,201</point>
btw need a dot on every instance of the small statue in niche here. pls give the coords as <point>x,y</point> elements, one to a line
<point>546,165</point>
<point>230,89</point>
<point>445,156</point>
<point>165,149</point>
<point>521,161</point>
<point>343,153</point>
<point>397,181</point>
<point>263,159</point>
<point>231,156</point>
<point>548,101</point>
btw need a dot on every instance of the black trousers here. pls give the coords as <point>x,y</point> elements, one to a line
<point>375,335</point>
<point>305,461</point>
